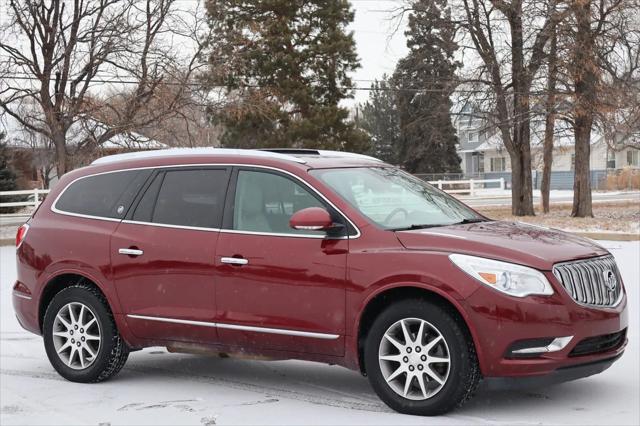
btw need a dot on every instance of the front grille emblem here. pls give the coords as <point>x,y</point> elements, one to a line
<point>610,280</point>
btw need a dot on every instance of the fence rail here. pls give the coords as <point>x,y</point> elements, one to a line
<point>33,198</point>
<point>471,185</point>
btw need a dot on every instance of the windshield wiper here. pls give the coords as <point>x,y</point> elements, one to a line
<point>466,221</point>
<point>418,226</point>
<point>432,225</point>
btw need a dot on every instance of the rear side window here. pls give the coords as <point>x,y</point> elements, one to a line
<point>192,198</point>
<point>106,195</point>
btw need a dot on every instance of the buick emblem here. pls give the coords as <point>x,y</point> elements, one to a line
<point>610,280</point>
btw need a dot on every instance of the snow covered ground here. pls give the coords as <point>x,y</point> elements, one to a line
<point>157,388</point>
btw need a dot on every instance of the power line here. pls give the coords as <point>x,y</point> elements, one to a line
<point>381,89</point>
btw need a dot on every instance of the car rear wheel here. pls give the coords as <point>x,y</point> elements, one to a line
<point>420,359</point>
<point>80,336</point>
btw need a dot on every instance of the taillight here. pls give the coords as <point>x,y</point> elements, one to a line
<point>21,234</point>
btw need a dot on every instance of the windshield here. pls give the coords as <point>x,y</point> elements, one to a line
<point>394,199</point>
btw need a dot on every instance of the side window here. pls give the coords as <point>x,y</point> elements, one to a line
<point>264,202</point>
<point>185,198</point>
<point>106,195</point>
<point>144,210</point>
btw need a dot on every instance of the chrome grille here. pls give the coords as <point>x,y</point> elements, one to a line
<point>593,282</point>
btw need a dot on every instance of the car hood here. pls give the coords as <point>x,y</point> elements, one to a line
<point>515,242</point>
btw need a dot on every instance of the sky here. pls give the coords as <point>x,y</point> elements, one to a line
<point>379,44</point>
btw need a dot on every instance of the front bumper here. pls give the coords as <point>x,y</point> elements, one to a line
<point>561,375</point>
<point>498,321</point>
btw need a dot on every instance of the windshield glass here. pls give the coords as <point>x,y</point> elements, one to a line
<point>394,199</point>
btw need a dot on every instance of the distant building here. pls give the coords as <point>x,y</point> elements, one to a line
<point>484,155</point>
<point>33,155</point>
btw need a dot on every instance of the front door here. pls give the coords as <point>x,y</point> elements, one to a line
<point>163,255</point>
<point>278,288</point>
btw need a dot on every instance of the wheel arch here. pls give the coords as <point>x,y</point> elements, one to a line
<point>59,282</point>
<point>383,298</point>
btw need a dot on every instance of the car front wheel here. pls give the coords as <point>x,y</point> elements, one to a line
<point>80,336</point>
<point>420,359</point>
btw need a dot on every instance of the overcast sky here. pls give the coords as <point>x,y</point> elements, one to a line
<point>379,38</point>
<point>379,47</point>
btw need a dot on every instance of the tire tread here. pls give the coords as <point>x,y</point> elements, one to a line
<point>120,351</point>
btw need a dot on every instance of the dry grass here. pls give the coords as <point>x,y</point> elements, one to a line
<point>609,217</point>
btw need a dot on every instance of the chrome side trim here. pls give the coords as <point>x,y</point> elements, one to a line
<point>85,216</point>
<point>279,331</point>
<point>21,296</point>
<point>558,344</point>
<point>230,231</point>
<point>280,234</point>
<point>173,320</point>
<point>165,225</point>
<point>239,327</point>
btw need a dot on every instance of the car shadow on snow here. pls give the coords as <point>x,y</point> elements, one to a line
<point>338,387</point>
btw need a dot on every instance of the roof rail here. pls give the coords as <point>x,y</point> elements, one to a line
<point>343,154</point>
<point>291,151</point>
<point>319,152</point>
<point>182,152</point>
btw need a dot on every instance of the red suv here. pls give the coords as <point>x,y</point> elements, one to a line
<point>315,255</point>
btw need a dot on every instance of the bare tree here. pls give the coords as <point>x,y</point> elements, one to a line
<point>602,31</point>
<point>510,38</point>
<point>61,54</point>
<point>550,106</point>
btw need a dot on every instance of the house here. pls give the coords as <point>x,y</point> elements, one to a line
<point>483,154</point>
<point>33,155</point>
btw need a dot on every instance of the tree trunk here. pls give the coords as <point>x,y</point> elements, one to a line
<point>547,160</point>
<point>550,122</point>
<point>582,178</point>
<point>585,81</point>
<point>521,185</point>
<point>61,153</point>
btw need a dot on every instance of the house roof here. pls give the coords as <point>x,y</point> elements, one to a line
<point>563,139</point>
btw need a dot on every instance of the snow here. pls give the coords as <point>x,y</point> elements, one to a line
<point>156,387</point>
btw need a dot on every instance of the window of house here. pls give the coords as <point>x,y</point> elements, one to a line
<point>498,164</point>
<point>611,159</point>
<point>633,158</point>
<point>480,163</point>
<point>472,137</point>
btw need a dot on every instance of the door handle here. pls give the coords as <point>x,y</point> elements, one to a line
<point>131,252</point>
<point>234,261</point>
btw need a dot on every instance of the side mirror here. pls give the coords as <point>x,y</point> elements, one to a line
<point>311,219</point>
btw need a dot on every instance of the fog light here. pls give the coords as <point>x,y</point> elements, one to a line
<point>531,348</point>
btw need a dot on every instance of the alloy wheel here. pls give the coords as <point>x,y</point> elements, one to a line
<point>76,335</point>
<point>414,359</point>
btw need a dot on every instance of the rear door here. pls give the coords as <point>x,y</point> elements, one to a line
<point>163,254</point>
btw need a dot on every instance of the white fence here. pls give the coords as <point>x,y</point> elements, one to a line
<point>471,185</point>
<point>34,198</point>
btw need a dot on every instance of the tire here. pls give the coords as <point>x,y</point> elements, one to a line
<point>74,362</point>
<point>459,376</point>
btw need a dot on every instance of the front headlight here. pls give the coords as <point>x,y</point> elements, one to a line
<point>509,278</point>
